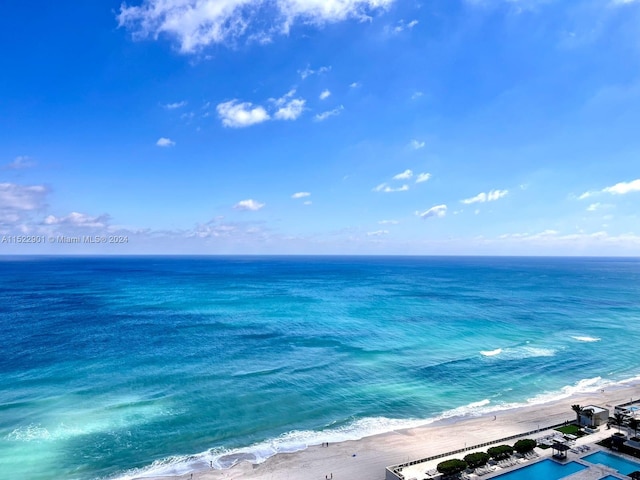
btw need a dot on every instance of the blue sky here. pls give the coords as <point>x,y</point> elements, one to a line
<point>322,127</point>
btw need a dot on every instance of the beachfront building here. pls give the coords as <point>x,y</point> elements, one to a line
<point>594,416</point>
<point>629,410</point>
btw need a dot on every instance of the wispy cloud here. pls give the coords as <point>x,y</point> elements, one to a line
<point>599,206</point>
<point>437,211</point>
<point>416,145</point>
<point>416,95</point>
<point>407,174</point>
<point>308,71</point>
<point>423,177</point>
<point>241,114</point>
<point>175,105</point>
<point>20,163</point>
<point>402,26</point>
<point>325,94</point>
<point>331,113</point>
<point>300,195</point>
<point>383,187</point>
<point>355,85</point>
<point>198,23</point>
<point>248,204</point>
<point>482,197</point>
<point>165,142</point>
<point>621,188</point>
<point>22,197</point>
<point>377,233</point>
<point>388,222</point>
<point>75,219</point>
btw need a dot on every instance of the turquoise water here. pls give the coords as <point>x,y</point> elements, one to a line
<point>116,366</point>
<point>616,462</point>
<point>545,469</point>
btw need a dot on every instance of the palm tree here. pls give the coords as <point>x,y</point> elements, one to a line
<point>588,412</point>
<point>618,419</point>
<point>578,410</point>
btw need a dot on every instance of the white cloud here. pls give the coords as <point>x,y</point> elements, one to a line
<point>300,195</point>
<point>324,115</point>
<point>244,114</point>
<point>325,94</point>
<point>586,195</point>
<point>388,222</point>
<point>165,142</point>
<point>593,207</point>
<point>383,187</point>
<point>620,188</point>
<point>355,85</point>
<point>198,23</point>
<point>308,202</point>
<point>292,110</point>
<point>22,198</point>
<point>173,106</point>
<point>20,163</point>
<point>624,187</point>
<point>249,204</point>
<point>238,115</point>
<point>377,233</point>
<point>438,211</point>
<point>416,145</point>
<point>423,177</point>
<point>75,219</point>
<point>289,108</point>
<point>416,95</point>
<point>492,196</point>
<point>405,26</point>
<point>307,72</point>
<point>407,174</point>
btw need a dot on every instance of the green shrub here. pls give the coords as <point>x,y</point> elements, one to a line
<point>451,467</point>
<point>525,445</point>
<point>477,459</point>
<point>500,452</point>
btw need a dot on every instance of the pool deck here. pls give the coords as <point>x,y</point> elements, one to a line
<point>594,472</point>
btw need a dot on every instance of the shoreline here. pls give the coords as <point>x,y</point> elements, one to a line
<point>367,458</point>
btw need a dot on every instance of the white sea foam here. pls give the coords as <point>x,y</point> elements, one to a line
<point>77,421</point>
<point>518,352</point>
<point>587,385</point>
<point>297,440</point>
<point>293,441</point>
<point>491,353</point>
<point>29,433</point>
<point>586,339</point>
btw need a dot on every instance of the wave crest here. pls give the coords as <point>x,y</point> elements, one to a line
<point>586,339</point>
<point>491,353</point>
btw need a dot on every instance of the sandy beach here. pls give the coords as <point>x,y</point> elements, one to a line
<point>366,459</point>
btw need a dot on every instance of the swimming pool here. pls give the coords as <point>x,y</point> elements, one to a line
<point>547,469</point>
<point>621,464</point>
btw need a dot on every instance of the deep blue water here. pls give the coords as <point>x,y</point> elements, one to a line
<point>110,364</point>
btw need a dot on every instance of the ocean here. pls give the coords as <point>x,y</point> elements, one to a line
<point>112,368</point>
